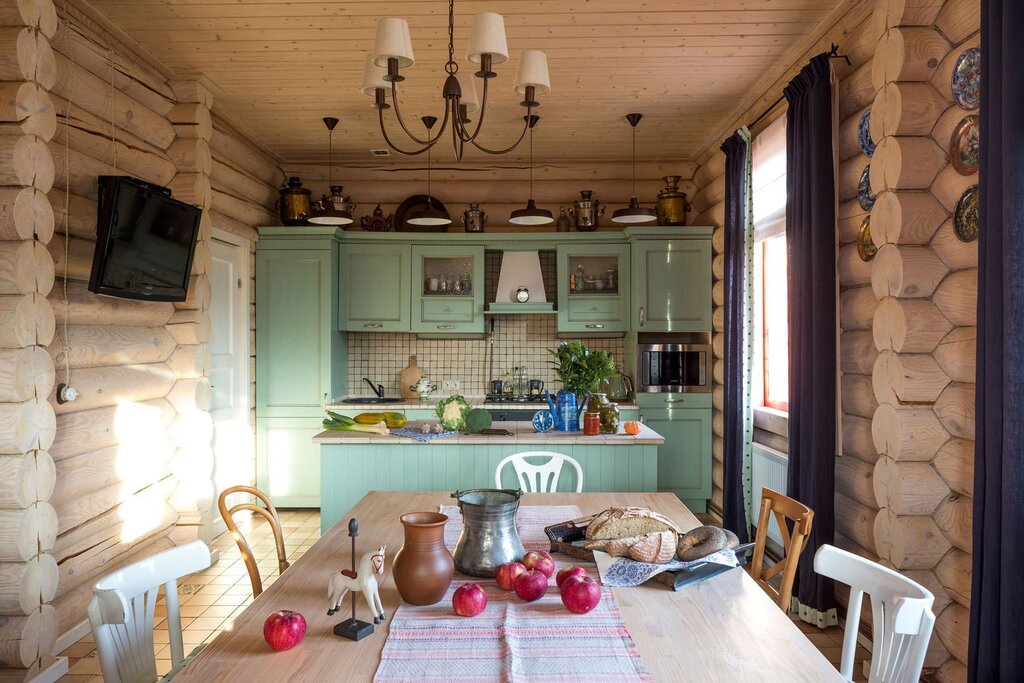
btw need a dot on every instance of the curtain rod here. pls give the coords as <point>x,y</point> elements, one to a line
<point>833,53</point>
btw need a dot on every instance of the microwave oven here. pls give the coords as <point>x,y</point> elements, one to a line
<point>674,368</point>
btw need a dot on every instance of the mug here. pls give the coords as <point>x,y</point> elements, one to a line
<point>497,387</point>
<point>536,386</point>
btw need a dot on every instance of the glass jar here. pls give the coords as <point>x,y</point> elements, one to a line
<point>610,418</point>
<point>592,424</point>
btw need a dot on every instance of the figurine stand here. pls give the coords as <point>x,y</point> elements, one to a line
<point>353,629</point>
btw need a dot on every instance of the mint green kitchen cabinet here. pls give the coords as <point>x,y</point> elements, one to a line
<point>448,289</point>
<point>684,460</point>
<point>376,291</point>
<point>287,460</point>
<point>672,285</point>
<point>593,288</point>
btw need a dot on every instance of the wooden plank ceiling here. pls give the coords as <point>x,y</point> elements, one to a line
<point>690,67</point>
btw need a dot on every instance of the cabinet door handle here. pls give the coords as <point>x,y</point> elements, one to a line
<point>643,316</point>
<point>675,400</point>
<point>594,309</point>
<point>595,326</point>
<point>446,327</point>
<point>447,309</point>
<point>374,326</point>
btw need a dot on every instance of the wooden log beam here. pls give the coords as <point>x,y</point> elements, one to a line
<point>106,386</point>
<point>243,210</point>
<point>952,627</point>
<point>857,441</point>
<point>190,327</point>
<point>909,326</point>
<point>242,185</point>
<point>857,352</point>
<point>954,253</point>
<point>906,218</point>
<point>907,433</point>
<point>137,160</point>
<point>97,428</point>
<point>957,298</point>
<point>25,213</point>
<point>235,227</point>
<point>949,186</point>
<point>709,195</point>
<point>849,130</point>
<point>908,488</point>
<point>955,462</point>
<point>955,409</point>
<point>850,217</point>
<point>856,91</point>
<point>191,121</point>
<point>26,55</point>
<point>24,639</point>
<point>956,354</point>
<point>906,163</point>
<point>857,395</point>
<point>25,320</point>
<point>77,172</point>
<point>907,54</point>
<point>234,150</point>
<point>857,307</point>
<point>75,261</point>
<point>906,109</point>
<point>190,362</point>
<point>25,161</point>
<point>30,107</point>
<point>907,378</point>
<point>192,188</point>
<point>39,14</point>
<point>26,426</point>
<point>909,541</point>
<point>23,529</point>
<point>849,176</point>
<point>93,346</point>
<point>191,394</point>
<point>954,571</point>
<point>28,478</point>
<point>198,295</point>
<point>105,475</point>
<point>86,308</point>
<point>24,586</point>
<point>954,517</point>
<point>191,155</point>
<point>891,13</point>
<point>852,269</point>
<point>959,19</point>
<point>907,271</point>
<point>854,480</point>
<point>25,373</point>
<point>79,212</point>
<point>854,520</point>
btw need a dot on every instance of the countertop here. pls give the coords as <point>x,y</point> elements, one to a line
<point>339,405</point>
<point>522,433</point>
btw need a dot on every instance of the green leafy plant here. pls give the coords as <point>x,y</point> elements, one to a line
<point>581,370</point>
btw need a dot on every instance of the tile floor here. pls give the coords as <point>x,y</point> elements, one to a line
<point>211,599</point>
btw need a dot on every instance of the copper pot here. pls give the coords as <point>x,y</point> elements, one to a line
<point>672,204</point>
<point>423,568</point>
<point>294,204</point>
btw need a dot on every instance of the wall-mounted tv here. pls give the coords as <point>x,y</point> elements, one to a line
<point>145,241</point>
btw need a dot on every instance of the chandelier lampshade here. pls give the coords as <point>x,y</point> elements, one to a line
<point>532,72</point>
<point>488,38</point>
<point>393,42</point>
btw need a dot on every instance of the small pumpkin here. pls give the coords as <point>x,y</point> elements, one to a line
<point>632,427</point>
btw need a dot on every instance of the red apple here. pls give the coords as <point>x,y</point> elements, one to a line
<point>561,577</point>
<point>284,629</point>
<point>580,594</point>
<point>531,585</point>
<point>540,561</point>
<point>469,600</point>
<point>506,575</point>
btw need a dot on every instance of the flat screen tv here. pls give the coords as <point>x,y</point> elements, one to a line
<point>145,241</point>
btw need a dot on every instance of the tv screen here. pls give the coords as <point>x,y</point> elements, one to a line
<point>145,241</point>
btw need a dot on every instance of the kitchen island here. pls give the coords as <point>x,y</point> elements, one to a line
<point>353,463</point>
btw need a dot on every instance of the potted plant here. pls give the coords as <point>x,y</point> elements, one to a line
<point>580,371</point>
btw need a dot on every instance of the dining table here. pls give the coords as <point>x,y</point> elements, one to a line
<point>725,628</point>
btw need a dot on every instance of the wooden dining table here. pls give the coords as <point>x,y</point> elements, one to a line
<point>723,629</point>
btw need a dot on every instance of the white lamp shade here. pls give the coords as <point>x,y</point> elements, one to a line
<point>373,78</point>
<point>469,98</point>
<point>488,37</point>
<point>533,70</point>
<point>393,40</point>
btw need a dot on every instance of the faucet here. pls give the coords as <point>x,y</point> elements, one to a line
<point>377,388</point>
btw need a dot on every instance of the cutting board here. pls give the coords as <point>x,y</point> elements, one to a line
<point>408,378</point>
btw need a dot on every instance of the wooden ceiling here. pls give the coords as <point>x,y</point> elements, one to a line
<point>691,67</point>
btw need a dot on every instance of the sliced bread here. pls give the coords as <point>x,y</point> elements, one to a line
<point>622,522</point>
<point>657,548</point>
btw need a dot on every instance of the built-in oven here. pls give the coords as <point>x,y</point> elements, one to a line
<point>681,365</point>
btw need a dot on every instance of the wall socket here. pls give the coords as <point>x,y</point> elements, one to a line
<point>450,385</point>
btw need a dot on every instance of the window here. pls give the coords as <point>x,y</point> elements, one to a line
<point>771,306</point>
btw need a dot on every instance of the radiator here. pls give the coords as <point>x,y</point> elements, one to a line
<point>768,469</point>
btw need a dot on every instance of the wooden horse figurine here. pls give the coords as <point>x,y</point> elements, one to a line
<point>363,579</point>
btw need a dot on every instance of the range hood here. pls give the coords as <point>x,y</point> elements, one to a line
<point>520,270</point>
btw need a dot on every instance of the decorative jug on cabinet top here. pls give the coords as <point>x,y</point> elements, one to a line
<point>672,204</point>
<point>489,537</point>
<point>587,211</point>
<point>473,218</point>
<point>294,204</point>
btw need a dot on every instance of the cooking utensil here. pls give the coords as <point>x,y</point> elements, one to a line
<point>489,537</point>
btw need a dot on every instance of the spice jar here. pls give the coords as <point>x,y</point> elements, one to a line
<point>592,424</point>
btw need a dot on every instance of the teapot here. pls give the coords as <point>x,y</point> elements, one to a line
<point>424,387</point>
<point>586,211</point>
<point>566,410</point>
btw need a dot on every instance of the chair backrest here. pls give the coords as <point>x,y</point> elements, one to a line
<point>793,542</point>
<point>270,513</point>
<point>901,610</point>
<point>542,478</point>
<point>122,608</point>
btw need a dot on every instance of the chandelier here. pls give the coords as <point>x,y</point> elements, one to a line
<point>392,52</point>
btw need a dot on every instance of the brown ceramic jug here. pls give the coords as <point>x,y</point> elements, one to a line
<point>423,568</point>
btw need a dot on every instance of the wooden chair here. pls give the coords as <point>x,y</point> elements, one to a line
<point>783,508</point>
<point>901,610</point>
<point>542,478</point>
<point>122,608</point>
<point>270,513</point>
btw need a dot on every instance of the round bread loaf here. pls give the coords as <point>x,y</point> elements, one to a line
<point>622,522</point>
<point>701,542</point>
<point>657,548</point>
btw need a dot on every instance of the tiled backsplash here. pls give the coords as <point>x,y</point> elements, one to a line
<point>518,340</point>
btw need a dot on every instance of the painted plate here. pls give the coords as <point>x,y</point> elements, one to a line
<point>967,79</point>
<point>867,145</point>
<point>965,220</point>
<point>865,247</point>
<point>867,200</point>
<point>965,146</point>
<point>543,421</point>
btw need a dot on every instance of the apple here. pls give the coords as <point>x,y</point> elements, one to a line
<point>469,600</point>
<point>580,594</point>
<point>541,561</point>
<point>284,629</point>
<point>531,585</point>
<point>506,575</point>
<point>564,574</point>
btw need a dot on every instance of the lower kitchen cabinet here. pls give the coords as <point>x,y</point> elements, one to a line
<point>684,460</point>
<point>287,460</point>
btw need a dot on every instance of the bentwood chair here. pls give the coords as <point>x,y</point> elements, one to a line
<point>123,606</point>
<point>901,611</point>
<point>270,513</point>
<point>542,477</point>
<point>783,508</point>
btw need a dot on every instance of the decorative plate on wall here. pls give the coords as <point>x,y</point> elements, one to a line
<point>965,146</point>
<point>865,247</point>
<point>965,220</point>
<point>867,145</point>
<point>967,79</point>
<point>867,200</point>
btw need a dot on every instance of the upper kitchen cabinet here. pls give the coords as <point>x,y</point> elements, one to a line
<point>672,282</point>
<point>448,289</point>
<point>593,288</point>
<point>376,290</point>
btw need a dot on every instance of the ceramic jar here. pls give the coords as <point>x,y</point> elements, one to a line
<point>423,568</point>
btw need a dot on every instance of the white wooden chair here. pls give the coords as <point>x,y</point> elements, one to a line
<point>901,611</point>
<point>122,608</point>
<point>542,478</point>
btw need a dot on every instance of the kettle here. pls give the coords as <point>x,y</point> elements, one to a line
<point>619,388</point>
<point>586,211</point>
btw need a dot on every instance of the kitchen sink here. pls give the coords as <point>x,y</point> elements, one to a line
<point>370,400</point>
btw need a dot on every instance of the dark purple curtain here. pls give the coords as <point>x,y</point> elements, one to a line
<point>734,516</point>
<point>811,240</point>
<point>997,589</point>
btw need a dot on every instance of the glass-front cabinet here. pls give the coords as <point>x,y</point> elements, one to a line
<point>593,288</point>
<point>448,289</point>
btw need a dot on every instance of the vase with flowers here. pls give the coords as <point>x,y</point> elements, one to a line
<point>581,371</point>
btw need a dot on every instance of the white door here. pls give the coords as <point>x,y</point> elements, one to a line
<point>233,446</point>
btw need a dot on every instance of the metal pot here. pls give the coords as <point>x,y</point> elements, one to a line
<point>294,204</point>
<point>489,537</point>
<point>586,211</point>
<point>672,204</point>
<point>473,218</point>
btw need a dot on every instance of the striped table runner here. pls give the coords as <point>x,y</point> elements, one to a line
<point>512,640</point>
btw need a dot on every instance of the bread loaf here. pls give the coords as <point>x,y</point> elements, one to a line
<point>623,522</point>
<point>657,548</point>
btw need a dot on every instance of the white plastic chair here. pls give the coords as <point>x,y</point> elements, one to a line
<point>901,611</point>
<point>122,607</point>
<point>541,478</point>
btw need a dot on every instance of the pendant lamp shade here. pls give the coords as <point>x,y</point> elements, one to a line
<point>532,71</point>
<point>373,78</point>
<point>488,38</point>
<point>327,213</point>
<point>634,213</point>
<point>393,42</point>
<point>430,214</point>
<point>531,215</point>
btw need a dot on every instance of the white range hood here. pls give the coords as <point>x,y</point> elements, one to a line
<point>520,270</point>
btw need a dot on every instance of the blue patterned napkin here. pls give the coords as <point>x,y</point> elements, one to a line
<point>420,436</point>
<point>626,572</point>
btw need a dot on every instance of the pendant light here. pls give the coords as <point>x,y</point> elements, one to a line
<point>634,213</point>
<point>429,214</point>
<point>327,211</point>
<point>531,215</point>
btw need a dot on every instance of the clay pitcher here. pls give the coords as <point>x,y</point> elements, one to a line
<point>423,568</point>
